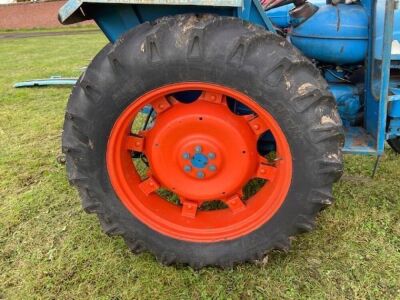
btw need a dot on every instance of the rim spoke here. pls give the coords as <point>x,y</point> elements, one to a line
<point>161,104</point>
<point>149,186</point>
<point>213,97</point>
<point>135,143</point>
<point>258,125</point>
<point>189,209</point>
<point>267,172</point>
<point>236,204</point>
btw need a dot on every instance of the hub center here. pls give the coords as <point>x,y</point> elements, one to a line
<point>199,161</point>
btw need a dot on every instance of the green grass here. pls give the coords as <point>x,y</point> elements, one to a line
<point>50,249</point>
<point>77,27</point>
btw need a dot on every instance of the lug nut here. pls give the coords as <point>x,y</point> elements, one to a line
<point>212,168</point>
<point>211,155</point>
<point>187,168</point>
<point>198,149</point>
<point>186,155</point>
<point>200,175</point>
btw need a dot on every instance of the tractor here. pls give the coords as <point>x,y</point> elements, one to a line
<point>210,132</point>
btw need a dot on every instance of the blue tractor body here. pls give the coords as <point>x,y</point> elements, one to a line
<point>356,46</point>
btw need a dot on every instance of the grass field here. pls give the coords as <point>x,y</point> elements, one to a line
<point>75,27</point>
<point>50,249</point>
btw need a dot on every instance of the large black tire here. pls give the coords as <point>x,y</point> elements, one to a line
<point>221,50</point>
<point>395,144</point>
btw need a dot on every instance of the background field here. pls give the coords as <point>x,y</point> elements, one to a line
<point>49,248</point>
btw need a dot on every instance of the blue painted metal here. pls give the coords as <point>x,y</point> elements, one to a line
<point>371,104</point>
<point>280,16</point>
<point>334,34</point>
<point>253,12</point>
<point>54,80</point>
<point>71,11</point>
<point>335,75</point>
<point>117,17</point>
<point>199,161</point>
<point>394,113</point>
<point>385,74</point>
<point>394,109</point>
<point>359,141</point>
<point>393,129</point>
<point>379,28</point>
<point>348,101</point>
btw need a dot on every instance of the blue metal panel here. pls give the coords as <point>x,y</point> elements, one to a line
<point>68,10</point>
<point>334,34</point>
<point>377,78</point>
<point>394,128</point>
<point>379,30</point>
<point>385,77</point>
<point>280,16</point>
<point>394,107</point>
<point>71,13</point>
<point>371,105</point>
<point>253,12</point>
<point>115,19</point>
<point>358,141</point>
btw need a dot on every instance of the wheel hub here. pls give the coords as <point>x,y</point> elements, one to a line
<point>200,161</point>
<point>201,151</point>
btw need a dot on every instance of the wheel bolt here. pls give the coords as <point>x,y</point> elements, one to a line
<point>187,168</point>
<point>186,155</point>
<point>211,155</point>
<point>212,168</point>
<point>198,149</point>
<point>200,175</point>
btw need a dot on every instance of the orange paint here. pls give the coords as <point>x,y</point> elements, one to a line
<point>201,152</point>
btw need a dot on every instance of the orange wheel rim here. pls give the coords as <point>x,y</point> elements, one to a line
<point>200,151</point>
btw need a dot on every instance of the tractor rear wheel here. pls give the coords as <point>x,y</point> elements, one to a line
<point>205,140</point>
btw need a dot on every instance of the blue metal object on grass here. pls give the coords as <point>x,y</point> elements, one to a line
<point>54,80</point>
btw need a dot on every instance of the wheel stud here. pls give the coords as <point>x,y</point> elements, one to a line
<point>200,175</point>
<point>211,155</point>
<point>212,168</point>
<point>187,168</point>
<point>198,149</point>
<point>186,155</point>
